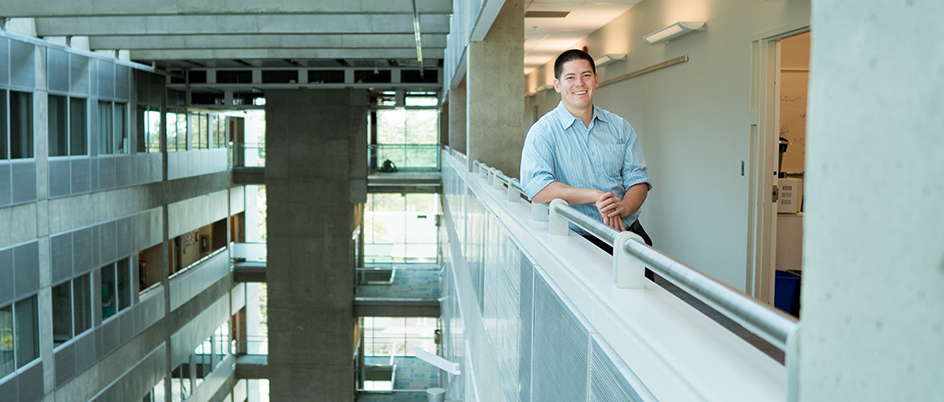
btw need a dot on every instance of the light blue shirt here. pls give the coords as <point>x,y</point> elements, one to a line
<point>605,156</point>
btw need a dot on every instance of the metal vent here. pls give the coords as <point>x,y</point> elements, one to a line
<point>546,14</point>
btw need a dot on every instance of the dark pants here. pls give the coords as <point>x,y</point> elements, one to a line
<point>636,228</point>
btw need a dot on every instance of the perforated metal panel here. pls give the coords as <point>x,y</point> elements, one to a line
<point>60,248</point>
<point>560,350</point>
<point>8,390</point>
<point>60,183</point>
<point>57,70</point>
<point>122,83</point>
<point>106,243</point>
<point>106,173</point>
<point>613,381</point>
<point>526,314</point>
<point>82,251</point>
<point>26,268</point>
<point>31,384</point>
<point>79,74</point>
<point>22,65</point>
<point>4,61</point>
<point>65,365</point>
<point>111,335</point>
<point>126,171</point>
<point>24,182</point>
<point>124,239</point>
<point>81,176</point>
<point>6,276</point>
<point>93,174</point>
<point>6,182</point>
<point>106,80</point>
<point>86,352</point>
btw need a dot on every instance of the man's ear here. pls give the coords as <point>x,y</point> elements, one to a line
<point>557,85</point>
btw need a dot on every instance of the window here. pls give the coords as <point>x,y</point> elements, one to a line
<point>3,135</point>
<point>182,132</point>
<point>27,331</point>
<point>201,130</point>
<point>21,125</point>
<point>149,130</point>
<point>61,313</point>
<point>171,132</point>
<point>58,125</point>
<point>6,341</point>
<point>106,134</point>
<point>66,127</point>
<point>121,129</point>
<point>218,131</point>
<point>78,129</point>
<point>116,288</point>
<point>82,303</point>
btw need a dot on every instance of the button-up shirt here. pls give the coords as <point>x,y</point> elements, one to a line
<point>605,156</point>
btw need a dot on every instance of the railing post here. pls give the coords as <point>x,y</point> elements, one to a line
<point>557,223</point>
<point>476,166</point>
<point>513,194</point>
<point>483,171</point>
<point>539,212</point>
<point>628,272</point>
<point>490,177</point>
<point>496,181</point>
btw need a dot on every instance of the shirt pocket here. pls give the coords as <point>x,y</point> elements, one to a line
<point>610,159</point>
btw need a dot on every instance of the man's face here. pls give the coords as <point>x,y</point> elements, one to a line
<point>576,84</point>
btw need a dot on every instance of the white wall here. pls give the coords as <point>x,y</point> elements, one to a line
<point>693,119</point>
<point>873,283</point>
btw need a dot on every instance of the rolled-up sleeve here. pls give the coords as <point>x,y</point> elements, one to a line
<point>537,161</point>
<point>635,170</point>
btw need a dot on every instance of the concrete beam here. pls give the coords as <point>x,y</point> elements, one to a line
<point>205,54</point>
<point>241,24</point>
<point>28,8</point>
<point>290,41</point>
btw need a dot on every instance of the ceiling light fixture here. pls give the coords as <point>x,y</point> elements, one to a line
<point>673,31</point>
<point>608,58</point>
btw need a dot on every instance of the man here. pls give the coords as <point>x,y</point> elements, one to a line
<point>585,155</point>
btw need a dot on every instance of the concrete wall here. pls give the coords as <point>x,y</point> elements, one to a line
<point>693,120</point>
<point>873,275</point>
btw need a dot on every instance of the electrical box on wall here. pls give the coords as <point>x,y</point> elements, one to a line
<point>791,195</point>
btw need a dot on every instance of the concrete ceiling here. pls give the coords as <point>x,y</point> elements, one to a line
<point>547,36</point>
<point>290,33</point>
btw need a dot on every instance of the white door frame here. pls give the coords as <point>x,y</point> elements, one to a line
<point>764,131</point>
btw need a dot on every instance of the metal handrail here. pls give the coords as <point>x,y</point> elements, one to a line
<point>771,325</point>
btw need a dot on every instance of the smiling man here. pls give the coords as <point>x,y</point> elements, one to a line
<point>585,155</point>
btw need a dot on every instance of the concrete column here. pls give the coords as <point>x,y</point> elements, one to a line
<point>457,112</point>
<point>316,184</point>
<point>495,80</point>
<point>873,282</point>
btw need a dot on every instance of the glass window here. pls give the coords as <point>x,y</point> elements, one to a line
<point>61,313</point>
<point>78,129</point>
<point>201,130</point>
<point>181,131</point>
<point>27,331</point>
<point>421,101</point>
<point>82,303</point>
<point>124,284</point>
<point>3,130</point>
<point>140,129</point>
<point>171,132</point>
<point>6,340</point>
<point>121,129</point>
<point>106,134</point>
<point>109,292</point>
<point>21,125</point>
<point>153,131</point>
<point>58,126</point>
<point>177,383</point>
<point>422,126</point>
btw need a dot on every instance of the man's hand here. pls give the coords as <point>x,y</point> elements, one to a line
<point>612,209</point>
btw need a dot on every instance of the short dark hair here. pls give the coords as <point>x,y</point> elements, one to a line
<point>571,55</point>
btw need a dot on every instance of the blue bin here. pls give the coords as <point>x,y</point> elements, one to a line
<point>787,292</point>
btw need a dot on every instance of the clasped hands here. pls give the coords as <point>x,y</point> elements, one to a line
<point>613,210</point>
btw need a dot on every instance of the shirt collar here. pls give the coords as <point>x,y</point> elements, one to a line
<point>566,119</point>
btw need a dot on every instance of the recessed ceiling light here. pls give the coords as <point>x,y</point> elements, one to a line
<point>546,14</point>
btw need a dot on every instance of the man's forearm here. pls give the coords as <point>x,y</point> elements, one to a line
<point>573,195</point>
<point>633,199</point>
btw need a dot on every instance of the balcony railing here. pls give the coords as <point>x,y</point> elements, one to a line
<point>656,343</point>
<point>247,154</point>
<point>406,157</point>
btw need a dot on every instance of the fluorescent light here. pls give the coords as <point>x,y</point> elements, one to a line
<point>608,58</point>
<point>673,31</point>
<point>545,87</point>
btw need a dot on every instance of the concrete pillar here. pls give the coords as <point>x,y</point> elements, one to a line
<point>873,282</point>
<point>457,112</point>
<point>316,184</point>
<point>495,89</point>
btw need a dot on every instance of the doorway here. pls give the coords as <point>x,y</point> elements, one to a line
<point>778,147</point>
